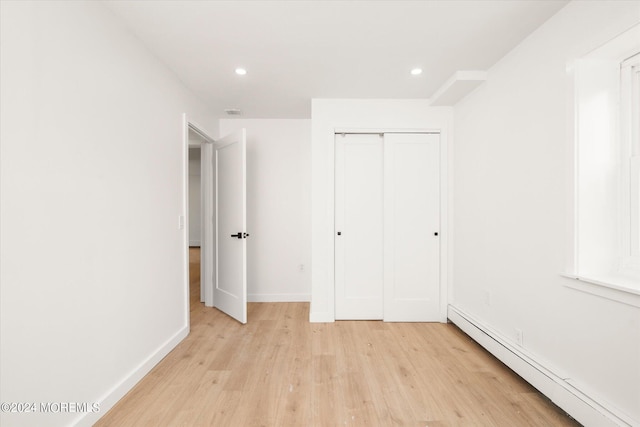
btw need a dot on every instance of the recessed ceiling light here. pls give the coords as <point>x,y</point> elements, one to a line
<point>416,71</point>
<point>241,71</point>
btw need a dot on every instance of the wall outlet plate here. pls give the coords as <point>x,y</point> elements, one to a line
<point>486,295</point>
<point>519,338</point>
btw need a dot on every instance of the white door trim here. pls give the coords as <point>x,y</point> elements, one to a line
<point>206,191</point>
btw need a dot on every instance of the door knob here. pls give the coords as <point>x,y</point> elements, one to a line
<point>240,235</point>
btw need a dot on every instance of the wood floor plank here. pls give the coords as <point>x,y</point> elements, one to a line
<point>281,370</point>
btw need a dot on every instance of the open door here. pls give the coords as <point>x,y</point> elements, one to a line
<point>230,281</point>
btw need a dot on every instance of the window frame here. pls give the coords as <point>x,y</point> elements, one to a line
<point>601,257</point>
<point>630,164</point>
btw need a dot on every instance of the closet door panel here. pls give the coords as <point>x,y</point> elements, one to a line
<point>359,227</point>
<point>412,227</point>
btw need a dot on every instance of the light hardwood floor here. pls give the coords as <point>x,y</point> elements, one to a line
<point>281,370</point>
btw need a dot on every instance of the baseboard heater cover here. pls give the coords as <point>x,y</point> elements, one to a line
<point>576,403</point>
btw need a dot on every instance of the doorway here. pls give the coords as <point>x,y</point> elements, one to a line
<point>195,198</point>
<point>222,234</point>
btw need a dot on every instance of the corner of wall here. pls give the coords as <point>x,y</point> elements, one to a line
<point>127,383</point>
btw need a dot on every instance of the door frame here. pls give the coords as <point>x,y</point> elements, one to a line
<point>445,231</point>
<point>207,244</point>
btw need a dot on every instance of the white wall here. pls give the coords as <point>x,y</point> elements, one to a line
<point>93,288</point>
<point>511,209</point>
<point>362,114</point>
<point>195,202</point>
<point>278,207</point>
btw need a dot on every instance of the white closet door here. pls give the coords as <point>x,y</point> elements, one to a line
<point>412,227</point>
<point>359,227</point>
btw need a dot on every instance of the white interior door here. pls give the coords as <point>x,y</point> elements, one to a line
<point>230,287</point>
<point>359,227</point>
<point>412,228</point>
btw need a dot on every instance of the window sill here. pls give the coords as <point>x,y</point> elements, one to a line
<point>615,288</point>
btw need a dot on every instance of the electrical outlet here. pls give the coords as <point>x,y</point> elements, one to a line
<point>487,298</point>
<point>519,338</point>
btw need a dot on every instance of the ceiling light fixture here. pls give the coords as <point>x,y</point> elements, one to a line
<point>416,71</point>
<point>241,71</point>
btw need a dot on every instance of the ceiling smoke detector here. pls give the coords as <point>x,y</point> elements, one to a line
<point>233,111</point>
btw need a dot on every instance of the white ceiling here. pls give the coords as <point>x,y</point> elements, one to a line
<point>297,50</point>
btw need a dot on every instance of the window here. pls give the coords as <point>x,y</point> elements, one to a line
<point>607,165</point>
<point>630,148</point>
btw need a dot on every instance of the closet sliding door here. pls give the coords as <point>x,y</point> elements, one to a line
<point>412,227</point>
<point>387,227</point>
<point>359,233</point>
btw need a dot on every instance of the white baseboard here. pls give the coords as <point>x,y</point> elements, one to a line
<point>278,297</point>
<point>128,382</point>
<point>321,317</point>
<point>582,407</point>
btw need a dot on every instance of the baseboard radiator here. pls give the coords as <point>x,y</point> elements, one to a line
<point>577,403</point>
